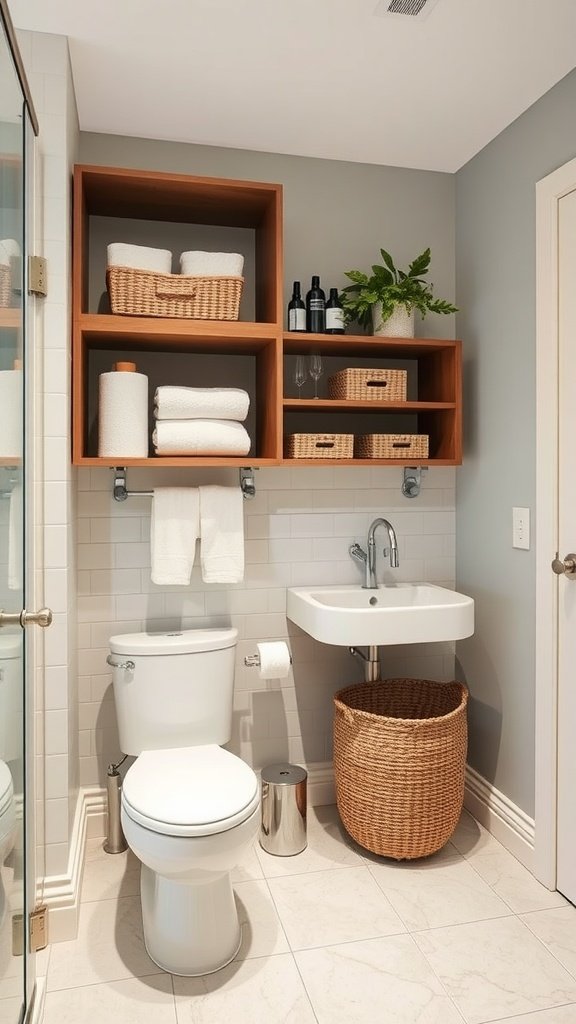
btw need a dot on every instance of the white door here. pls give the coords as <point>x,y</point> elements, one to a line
<point>566,840</point>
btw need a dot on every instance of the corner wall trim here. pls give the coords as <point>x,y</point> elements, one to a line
<point>503,819</point>
<point>62,892</point>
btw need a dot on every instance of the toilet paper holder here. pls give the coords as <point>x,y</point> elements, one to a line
<point>253,660</point>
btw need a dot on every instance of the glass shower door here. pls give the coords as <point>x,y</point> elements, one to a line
<point>13,930</point>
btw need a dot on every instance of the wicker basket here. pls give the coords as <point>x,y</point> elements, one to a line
<point>399,763</point>
<point>319,446</point>
<point>146,293</point>
<point>392,446</point>
<point>368,385</point>
<point>5,286</point>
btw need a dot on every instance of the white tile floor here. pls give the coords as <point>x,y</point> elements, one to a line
<point>335,936</point>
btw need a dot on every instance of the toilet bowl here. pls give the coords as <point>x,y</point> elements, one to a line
<point>190,809</point>
<point>189,815</point>
<point>7,826</point>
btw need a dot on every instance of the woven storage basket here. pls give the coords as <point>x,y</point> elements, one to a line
<point>368,385</point>
<point>5,286</point>
<point>146,293</point>
<point>392,446</point>
<point>319,446</point>
<point>399,762</point>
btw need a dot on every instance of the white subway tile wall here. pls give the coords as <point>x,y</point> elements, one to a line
<point>298,529</point>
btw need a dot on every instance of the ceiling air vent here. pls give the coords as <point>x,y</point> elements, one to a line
<point>412,8</point>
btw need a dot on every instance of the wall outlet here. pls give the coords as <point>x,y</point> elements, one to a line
<point>521,528</point>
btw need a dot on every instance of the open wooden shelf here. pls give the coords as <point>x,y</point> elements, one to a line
<point>347,405</point>
<point>254,353</point>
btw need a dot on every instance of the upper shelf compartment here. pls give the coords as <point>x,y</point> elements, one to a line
<point>177,212</point>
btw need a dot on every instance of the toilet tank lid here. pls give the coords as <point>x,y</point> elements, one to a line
<point>186,641</point>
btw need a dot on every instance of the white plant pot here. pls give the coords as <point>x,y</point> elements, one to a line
<point>399,325</point>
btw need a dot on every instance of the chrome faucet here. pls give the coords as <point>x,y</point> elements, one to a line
<point>368,557</point>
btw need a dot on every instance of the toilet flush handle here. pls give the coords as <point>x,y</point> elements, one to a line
<point>128,665</point>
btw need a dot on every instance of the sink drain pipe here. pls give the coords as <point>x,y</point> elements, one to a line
<point>115,841</point>
<point>371,663</point>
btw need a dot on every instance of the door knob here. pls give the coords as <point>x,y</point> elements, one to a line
<point>42,618</point>
<point>565,567</point>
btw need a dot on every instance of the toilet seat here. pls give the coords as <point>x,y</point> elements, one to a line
<point>6,788</point>
<point>190,791</point>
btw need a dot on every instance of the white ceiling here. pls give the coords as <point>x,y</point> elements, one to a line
<point>323,78</point>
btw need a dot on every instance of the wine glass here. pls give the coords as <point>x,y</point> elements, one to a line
<point>300,373</point>
<point>316,371</point>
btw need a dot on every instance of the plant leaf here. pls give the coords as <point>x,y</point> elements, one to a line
<point>388,260</point>
<point>420,265</point>
<point>357,276</point>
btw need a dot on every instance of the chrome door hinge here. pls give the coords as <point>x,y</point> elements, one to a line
<point>38,929</point>
<point>37,276</point>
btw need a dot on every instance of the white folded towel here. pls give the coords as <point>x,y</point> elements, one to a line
<point>175,403</point>
<point>9,250</point>
<point>200,437</point>
<point>15,539</point>
<point>174,529</point>
<point>222,534</point>
<point>212,264</point>
<point>139,257</point>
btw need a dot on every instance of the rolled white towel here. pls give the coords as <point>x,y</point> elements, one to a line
<point>176,403</point>
<point>139,257</point>
<point>4,257</point>
<point>11,247</point>
<point>212,264</point>
<point>200,437</point>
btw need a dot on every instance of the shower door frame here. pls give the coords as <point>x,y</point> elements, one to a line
<point>32,368</point>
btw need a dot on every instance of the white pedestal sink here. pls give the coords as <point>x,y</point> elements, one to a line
<point>409,613</point>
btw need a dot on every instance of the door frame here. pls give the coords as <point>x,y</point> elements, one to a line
<point>549,191</point>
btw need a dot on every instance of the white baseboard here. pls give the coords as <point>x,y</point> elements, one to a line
<point>35,1014</point>
<point>321,784</point>
<point>510,825</point>
<point>62,892</point>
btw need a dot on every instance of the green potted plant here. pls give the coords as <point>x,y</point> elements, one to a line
<point>388,298</point>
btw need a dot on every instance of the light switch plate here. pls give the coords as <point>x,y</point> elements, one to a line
<point>521,528</point>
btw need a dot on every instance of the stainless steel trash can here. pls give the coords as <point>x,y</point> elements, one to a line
<point>283,829</point>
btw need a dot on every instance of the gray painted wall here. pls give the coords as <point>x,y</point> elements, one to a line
<point>336,214</point>
<point>495,260</point>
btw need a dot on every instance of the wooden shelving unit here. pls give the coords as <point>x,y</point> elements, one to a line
<point>257,354</point>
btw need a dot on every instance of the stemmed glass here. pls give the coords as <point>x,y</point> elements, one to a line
<point>316,371</point>
<point>300,373</point>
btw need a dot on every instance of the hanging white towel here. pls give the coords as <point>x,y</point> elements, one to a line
<point>173,534</point>
<point>222,534</point>
<point>200,437</point>
<point>177,403</point>
<point>15,539</point>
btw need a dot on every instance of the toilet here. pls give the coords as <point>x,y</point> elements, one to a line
<point>190,809</point>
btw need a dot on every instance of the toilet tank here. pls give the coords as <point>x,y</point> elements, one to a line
<point>173,689</point>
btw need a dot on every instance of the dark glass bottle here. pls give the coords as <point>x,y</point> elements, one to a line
<point>296,310</point>
<point>316,308</point>
<point>334,314</point>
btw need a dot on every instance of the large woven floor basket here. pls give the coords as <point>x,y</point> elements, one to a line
<point>399,762</point>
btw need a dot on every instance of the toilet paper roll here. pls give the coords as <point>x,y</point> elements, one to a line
<point>10,414</point>
<point>123,415</point>
<point>274,660</point>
